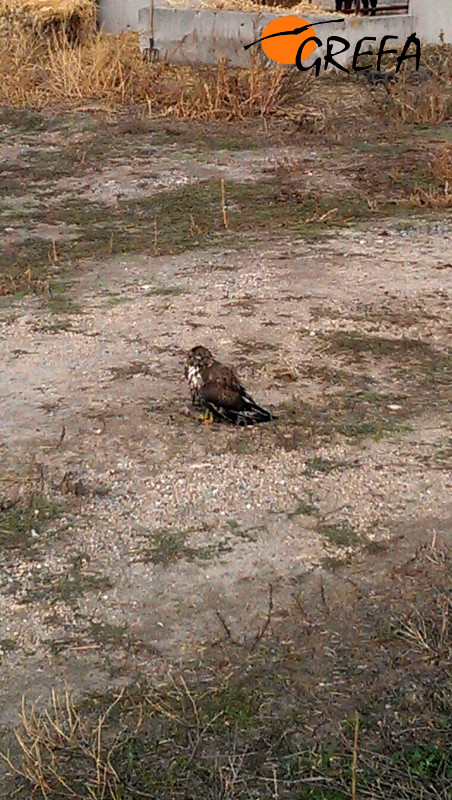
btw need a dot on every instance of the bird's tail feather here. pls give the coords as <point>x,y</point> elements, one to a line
<point>251,415</point>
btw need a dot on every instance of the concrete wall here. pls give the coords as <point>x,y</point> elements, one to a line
<point>431,18</point>
<point>190,35</point>
<point>200,35</point>
<point>121,15</point>
<point>118,15</point>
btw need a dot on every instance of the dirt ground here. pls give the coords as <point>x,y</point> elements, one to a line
<point>132,537</point>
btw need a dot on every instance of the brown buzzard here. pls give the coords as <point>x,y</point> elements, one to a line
<point>216,390</point>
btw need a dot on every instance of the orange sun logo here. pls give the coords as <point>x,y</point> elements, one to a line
<point>284,48</point>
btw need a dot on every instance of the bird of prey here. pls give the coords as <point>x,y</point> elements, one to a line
<point>216,390</point>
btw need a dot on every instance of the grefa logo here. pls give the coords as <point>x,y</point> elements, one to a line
<point>292,40</point>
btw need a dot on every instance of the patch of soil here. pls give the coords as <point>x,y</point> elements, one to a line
<point>132,537</point>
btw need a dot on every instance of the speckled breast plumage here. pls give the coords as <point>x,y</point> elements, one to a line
<point>194,379</point>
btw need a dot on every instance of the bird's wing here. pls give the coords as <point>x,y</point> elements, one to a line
<point>227,398</point>
<point>222,388</point>
<point>222,397</point>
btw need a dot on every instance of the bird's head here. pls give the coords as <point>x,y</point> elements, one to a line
<point>199,356</point>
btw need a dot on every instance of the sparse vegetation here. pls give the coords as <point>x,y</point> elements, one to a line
<point>246,728</point>
<point>303,507</point>
<point>167,547</point>
<point>324,465</point>
<point>24,520</point>
<point>181,219</point>
<point>68,586</point>
<point>340,534</point>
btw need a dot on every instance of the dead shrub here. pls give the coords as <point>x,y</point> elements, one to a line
<point>432,197</point>
<point>41,70</point>
<point>24,282</point>
<point>422,97</point>
<point>438,194</point>
<point>222,92</point>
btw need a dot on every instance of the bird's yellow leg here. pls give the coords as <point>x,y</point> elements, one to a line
<point>207,417</point>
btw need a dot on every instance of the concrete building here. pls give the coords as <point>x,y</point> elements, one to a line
<point>194,34</point>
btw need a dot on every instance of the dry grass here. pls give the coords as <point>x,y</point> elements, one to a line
<point>439,193</point>
<point>46,736</point>
<point>424,97</point>
<point>24,281</point>
<point>432,197</point>
<point>38,71</point>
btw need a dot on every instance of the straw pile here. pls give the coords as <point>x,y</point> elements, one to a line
<point>300,7</point>
<point>74,18</point>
